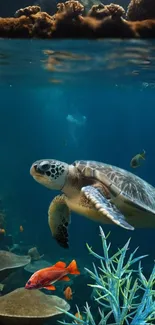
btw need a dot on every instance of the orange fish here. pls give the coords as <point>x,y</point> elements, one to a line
<point>78,315</point>
<point>45,278</point>
<point>68,293</point>
<point>21,228</point>
<point>2,231</point>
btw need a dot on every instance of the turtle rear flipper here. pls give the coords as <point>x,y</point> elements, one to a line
<point>103,205</point>
<point>59,219</point>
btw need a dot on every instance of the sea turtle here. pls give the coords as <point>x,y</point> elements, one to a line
<point>99,191</point>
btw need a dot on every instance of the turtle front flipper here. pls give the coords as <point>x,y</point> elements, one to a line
<point>59,219</point>
<point>103,205</point>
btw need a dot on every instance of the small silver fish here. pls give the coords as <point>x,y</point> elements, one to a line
<point>135,161</point>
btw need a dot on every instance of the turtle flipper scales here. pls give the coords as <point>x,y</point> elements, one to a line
<point>59,219</point>
<point>103,205</point>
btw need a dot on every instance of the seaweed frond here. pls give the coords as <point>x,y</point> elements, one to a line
<point>121,292</point>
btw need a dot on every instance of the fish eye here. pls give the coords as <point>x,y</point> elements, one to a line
<point>29,282</point>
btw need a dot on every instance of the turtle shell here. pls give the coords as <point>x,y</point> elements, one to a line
<point>131,188</point>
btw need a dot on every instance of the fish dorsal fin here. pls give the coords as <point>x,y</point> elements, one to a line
<point>60,264</point>
<point>143,154</point>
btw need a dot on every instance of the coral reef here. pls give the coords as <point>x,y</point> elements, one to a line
<point>34,254</point>
<point>14,280</point>
<point>27,11</point>
<point>101,11</point>
<point>36,265</point>
<point>72,21</point>
<point>141,10</point>
<point>30,307</point>
<point>123,297</point>
<point>73,7</point>
<point>47,5</point>
<point>11,262</point>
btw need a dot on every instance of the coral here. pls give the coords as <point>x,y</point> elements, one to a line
<point>16,27</point>
<point>27,11</point>
<point>48,6</point>
<point>71,21</point>
<point>121,295</point>
<point>101,11</point>
<point>10,262</point>
<point>42,25</point>
<point>141,10</point>
<point>71,7</point>
<point>144,29</point>
<point>22,307</point>
<point>88,27</point>
<point>34,254</point>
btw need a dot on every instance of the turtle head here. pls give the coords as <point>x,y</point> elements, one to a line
<point>50,173</point>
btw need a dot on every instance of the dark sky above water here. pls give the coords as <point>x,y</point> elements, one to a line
<point>8,7</point>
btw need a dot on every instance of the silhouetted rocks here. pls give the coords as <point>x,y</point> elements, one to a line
<point>141,10</point>
<point>72,21</point>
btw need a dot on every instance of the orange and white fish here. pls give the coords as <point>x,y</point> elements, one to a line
<point>45,278</point>
<point>2,231</point>
<point>68,293</point>
<point>78,315</point>
<point>21,229</point>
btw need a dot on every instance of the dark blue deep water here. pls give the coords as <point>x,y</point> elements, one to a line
<point>72,100</point>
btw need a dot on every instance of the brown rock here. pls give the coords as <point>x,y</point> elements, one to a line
<point>22,307</point>
<point>71,7</point>
<point>69,22</point>
<point>27,11</point>
<point>34,254</point>
<point>89,27</point>
<point>10,262</point>
<point>16,27</point>
<point>144,29</point>
<point>141,10</point>
<point>101,11</point>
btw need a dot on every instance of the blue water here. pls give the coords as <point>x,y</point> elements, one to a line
<point>96,101</point>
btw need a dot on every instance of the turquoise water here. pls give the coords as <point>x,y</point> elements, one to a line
<point>69,100</point>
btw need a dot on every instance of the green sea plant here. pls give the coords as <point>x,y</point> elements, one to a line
<point>123,294</point>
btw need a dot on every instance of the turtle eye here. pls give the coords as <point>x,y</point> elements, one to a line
<point>44,166</point>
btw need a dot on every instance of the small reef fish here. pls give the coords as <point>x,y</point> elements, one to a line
<point>21,228</point>
<point>68,293</point>
<point>45,278</point>
<point>2,231</point>
<point>135,161</point>
<point>78,315</point>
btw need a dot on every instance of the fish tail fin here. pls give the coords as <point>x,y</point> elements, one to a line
<point>72,268</point>
<point>143,154</point>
